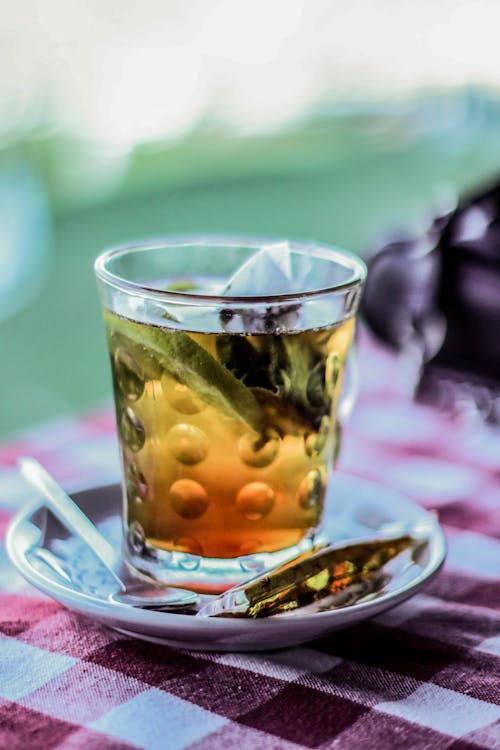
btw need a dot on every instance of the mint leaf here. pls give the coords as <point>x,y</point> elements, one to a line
<point>182,285</point>
<point>193,366</point>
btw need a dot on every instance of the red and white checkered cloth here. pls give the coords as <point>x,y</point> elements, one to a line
<point>424,675</point>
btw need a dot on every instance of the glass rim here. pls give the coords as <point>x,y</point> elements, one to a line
<point>344,257</point>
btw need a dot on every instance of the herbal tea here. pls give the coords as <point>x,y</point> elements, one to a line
<point>226,438</point>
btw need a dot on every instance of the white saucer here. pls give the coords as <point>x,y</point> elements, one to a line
<point>358,508</point>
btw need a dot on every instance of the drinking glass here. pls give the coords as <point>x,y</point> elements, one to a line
<point>228,406</point>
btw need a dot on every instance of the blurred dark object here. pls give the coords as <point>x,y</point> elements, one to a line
<point>440,293</point>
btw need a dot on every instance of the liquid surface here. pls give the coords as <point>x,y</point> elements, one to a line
<point>226,439</point>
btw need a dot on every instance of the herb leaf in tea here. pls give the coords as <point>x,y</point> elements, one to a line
<point>193,366</point>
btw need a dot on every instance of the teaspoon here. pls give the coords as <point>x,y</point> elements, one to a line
<point>137,593</point>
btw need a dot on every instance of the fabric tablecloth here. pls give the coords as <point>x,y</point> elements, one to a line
<point>423,675</point>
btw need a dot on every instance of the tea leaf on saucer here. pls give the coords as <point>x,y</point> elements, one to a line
<point>315,576</point>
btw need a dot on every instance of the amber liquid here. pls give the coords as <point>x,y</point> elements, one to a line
<point>234,466</point>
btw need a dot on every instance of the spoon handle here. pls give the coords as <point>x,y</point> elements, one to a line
<point>68,513</point>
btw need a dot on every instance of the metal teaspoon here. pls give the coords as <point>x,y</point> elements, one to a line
<point>136,594</point>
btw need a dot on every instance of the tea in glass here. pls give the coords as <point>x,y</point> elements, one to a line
<point>227,416</point>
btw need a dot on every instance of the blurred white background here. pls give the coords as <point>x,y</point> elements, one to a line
<point>121,73</point>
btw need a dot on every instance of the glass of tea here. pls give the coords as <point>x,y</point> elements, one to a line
<point>228,359</point>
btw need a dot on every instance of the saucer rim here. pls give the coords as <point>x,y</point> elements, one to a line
<point>131,619</point>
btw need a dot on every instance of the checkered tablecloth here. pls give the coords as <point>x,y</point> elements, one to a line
<point>423,675</point>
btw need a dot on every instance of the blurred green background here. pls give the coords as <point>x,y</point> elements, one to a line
<point>344,181</point>
<point>342,168</point>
